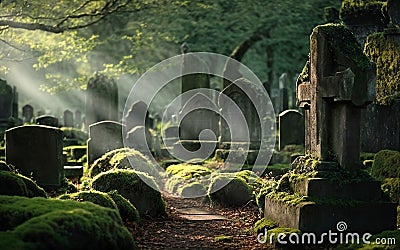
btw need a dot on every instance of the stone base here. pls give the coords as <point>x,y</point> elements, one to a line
<point>360,217</point>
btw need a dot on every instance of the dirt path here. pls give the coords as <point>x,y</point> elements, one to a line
<point>176,232</point>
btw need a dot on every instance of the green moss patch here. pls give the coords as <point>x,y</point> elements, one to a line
<point>124,158</point>
<point>223,238</point>
<point>16,184</point>
<point>229,190</point>
<point>264,224</point>
<point>386,165</point>
<point>40,223</point>
<point>139,188</point>
<point>384,51</point>
<point>188,170</point>
<point>127,211</point>
<point>391,187</point>
<point>96,197</point>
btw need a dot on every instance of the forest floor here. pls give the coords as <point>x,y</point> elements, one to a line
<point>177,232</point>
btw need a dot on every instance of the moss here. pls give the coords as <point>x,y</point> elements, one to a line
<point>391,187</point>
<point>386,165</point>
<point>188,170</point>
<point>223,238</point>
<point>75,153</point>
<point>285,155</point>
<point>96,197</point>
<point>262,224</point>
<point>229,190</point>
<point>288,198</point>
<point>16,184</point>
<point>139,188</point>
<point>193,189</point>
<point>268,187</point>
<point>384,51</point>
<point>124,158</point>
<point>364,12</point>
<point>127,211</point>
<point>173,183</point>
<point>366,156</point>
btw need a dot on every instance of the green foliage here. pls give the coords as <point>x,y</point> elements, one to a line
<point>40,223</point>
<point>384,51</point>
<point>386,165</point>
<point>139,188</point>
<point>124,158</point>
<point>262,224</point>
<point>229,190</point>
<point>391,187</point>
<point>96,197</point>
<point>16,184</point>
<point>127,211</point>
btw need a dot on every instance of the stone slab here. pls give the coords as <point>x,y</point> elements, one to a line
<point>363,217</point>
<point>197,214</point>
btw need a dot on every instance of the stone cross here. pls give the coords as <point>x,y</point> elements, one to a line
<point>338,82</point>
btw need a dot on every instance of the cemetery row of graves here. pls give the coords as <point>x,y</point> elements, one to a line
<point>78,183</point>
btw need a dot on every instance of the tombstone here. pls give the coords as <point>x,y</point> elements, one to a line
<point>291,128</point>
<point>140,139</point>
<point>36,151</point>
<point>171,135</point>
<point>275,100</point>
<point>339,84</point>
<point>284,99</point>
<point>101,100</point>
<point>137,116</point>
<point>78,119</point>
<point>198,114</point>
<point>27,113</point>
<point>68,119</point>
<point>40,113</point>
<point>246,107</point>
<point>7,101</point>
<point>192,63</point>
<point>104,136</point>
<point>47,120</point>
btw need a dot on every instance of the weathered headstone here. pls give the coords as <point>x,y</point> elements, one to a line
<point>140,139</point>
<point>27,113</point>
<point>104,136</point>
<point>198,114</point>
<point>68,119</point>
<point>337,85</point>
<point>284,99</point>
<point>36,151</point>
<point>101,100</point>
<point>137,116</point>
<point>47,120</point>
<point>291,128</point>
<point>7,94</point>
<point>78,119</point>
<point>170,135</point>
<point>192,63</point>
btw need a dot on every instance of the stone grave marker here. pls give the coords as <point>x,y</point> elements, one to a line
<point>40,113</point>
<point>47,120</point>
<point>27,113</point>
<point>337,85</point>
<point>68,119</point>
<point>140,139</point>
<point>291,128</point>
<point>104,136</point>
<point>78,119</point>
<point>101,100</point>
<point>137,116</point>
<point>36,151</point>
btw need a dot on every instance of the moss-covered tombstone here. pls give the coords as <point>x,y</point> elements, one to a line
<point>124,158</point>
<point>229,190</point>
<point>40,223</point>
<point>127,211</point>
<point>96,197</point>
<point>364,12</point>
<point>16,184</point>
<point>139,188</point>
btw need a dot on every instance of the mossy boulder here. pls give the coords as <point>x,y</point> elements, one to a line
<point>96,197</point>
<point>264,224</point>
<point>193,189</point>
<point>124,158</point>
<point>185,170</point>
<point>16,184</point>
<point>267,187</point>
<point>229,190</point>
<point>40,223</point>
<point>139,188</point>
<point>127,211</point>
<point>386,165</point>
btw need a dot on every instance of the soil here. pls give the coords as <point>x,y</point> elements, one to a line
<point>176,232</point>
